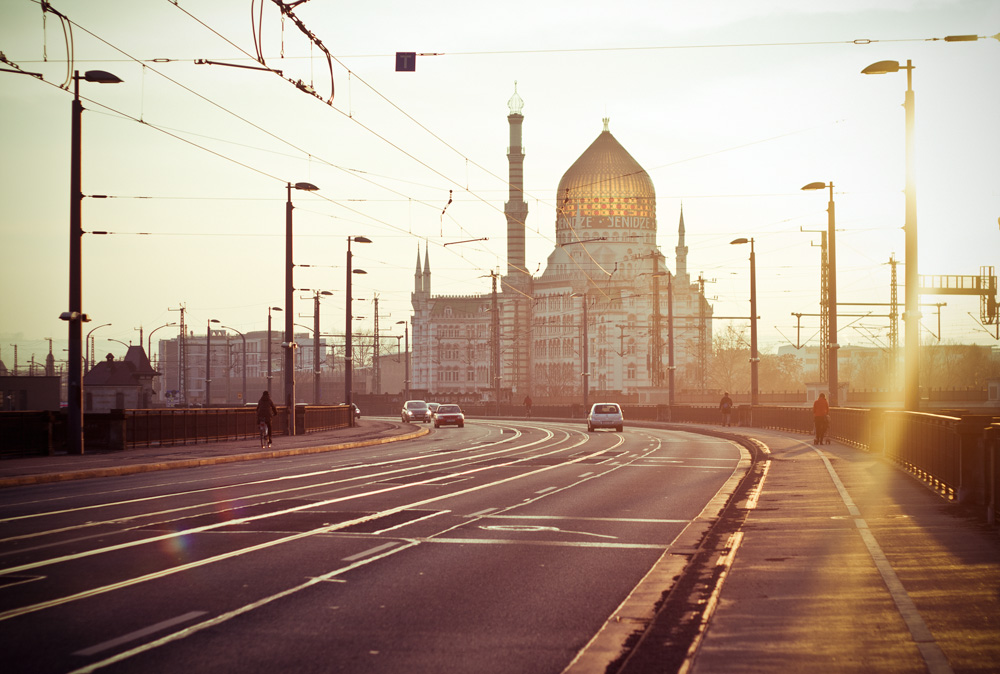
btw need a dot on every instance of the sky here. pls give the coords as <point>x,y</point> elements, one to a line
<point>731,106</point>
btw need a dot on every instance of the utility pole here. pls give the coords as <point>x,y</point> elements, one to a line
<point>495,343</point>
<point>181,356</point>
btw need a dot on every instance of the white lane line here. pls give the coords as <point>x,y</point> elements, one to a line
<point>403,524</point>
<point>586,519</point>
<point>587,474</point>
<point>282,478</point>
<point>546,490</point>
<point>370,551</point>
<point>483,512</point>
<point>218,620</point>
<point>13,613</point>
<point>934,657</point>
<point>139,634</point>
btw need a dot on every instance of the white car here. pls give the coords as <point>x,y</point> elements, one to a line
<point>605,415</point>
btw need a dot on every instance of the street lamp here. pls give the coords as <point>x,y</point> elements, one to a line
<point>75,315</point>
<point>149,338</point>
<point>348,351</point>
<point>289,343</point>
<point>831,291</point>
<point>754,359</point>
<point>119,342</point>
<point>269,310</point>
<point>208,361</point>
<point>89,362</point>
<point>586,357</point>
<point>406,379</point>
<point>243,337</point>
<point>911,313</point>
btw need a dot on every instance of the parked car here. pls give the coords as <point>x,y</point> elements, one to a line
<point>447,415</point>
<point>415,410</point>
<point>605,415</point>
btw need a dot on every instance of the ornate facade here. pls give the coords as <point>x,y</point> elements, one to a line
<point>600,314</point>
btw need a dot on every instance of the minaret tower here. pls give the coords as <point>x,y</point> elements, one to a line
<point>515,209</point>
<point>681,253</point>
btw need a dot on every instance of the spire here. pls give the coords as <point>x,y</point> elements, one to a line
<point>516,103</point>
<point>607,121</point>
<point>427,270</point>
<point>417,275</point>
<point>681,251</point>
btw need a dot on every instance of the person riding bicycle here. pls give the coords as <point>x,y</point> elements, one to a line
<point>527,406</point>
<point>265,411</point>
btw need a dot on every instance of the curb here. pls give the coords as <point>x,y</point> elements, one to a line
<point>113,471</point>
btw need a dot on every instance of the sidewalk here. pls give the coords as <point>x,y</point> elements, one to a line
<point>60,467</point>
<point>846,564</point>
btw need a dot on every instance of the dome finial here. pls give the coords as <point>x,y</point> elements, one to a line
<point>515,104</point>
<point>606,120</point>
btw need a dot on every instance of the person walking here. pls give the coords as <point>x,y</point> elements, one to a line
<point>265,412</point>
<point>726,405</point>
<point>821,418</point>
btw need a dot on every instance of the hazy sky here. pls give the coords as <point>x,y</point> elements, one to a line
<point>731,106</point>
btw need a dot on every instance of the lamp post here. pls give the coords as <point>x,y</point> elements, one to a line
<point>911,313</point>
<point>244,338</point>
<point>831,355</point>
<point>75,316</point>
<point>289,343</point>
<point>149,337</point>
<point>118,341</point>
<point>754,359</point>
<point>269,310</point>
<point>586,356</point>
<point>406,378</point>
<point>348,350</point>
<point>89,359</point>
<point>208,361</point>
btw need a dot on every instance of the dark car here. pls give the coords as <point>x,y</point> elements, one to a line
<point>447,415</point>
<point>415,410</point>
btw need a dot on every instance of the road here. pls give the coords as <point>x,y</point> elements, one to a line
<point>497,547</point>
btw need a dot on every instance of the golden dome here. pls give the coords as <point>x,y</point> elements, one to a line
<point>606,191</point>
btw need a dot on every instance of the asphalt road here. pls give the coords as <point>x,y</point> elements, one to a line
<point>498,547</point>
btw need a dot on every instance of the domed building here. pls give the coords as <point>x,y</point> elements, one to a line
<point>596,322</point>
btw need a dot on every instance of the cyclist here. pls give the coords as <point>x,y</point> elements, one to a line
<point>527,406</point>
<point>266,410</point>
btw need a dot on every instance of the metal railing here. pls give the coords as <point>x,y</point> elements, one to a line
<point>928,446</point>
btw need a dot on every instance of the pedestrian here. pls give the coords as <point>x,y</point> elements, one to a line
<point>821,418</point>
<point>726,405</point>
<point>265,411</point>
<point>527,406</point>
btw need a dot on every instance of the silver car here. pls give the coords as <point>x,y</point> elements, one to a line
<point>415,410</point>
<point>605,415</point>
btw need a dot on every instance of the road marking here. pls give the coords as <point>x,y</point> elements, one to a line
<point>403,524</point>
<point>370,551</point>
<point>139,634</point>
<point>483,512</point>
<point>546,490</point>
<point>934,657</point>
<point>23,610</point>
<point>587,519</point>
<point>531,528</point>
